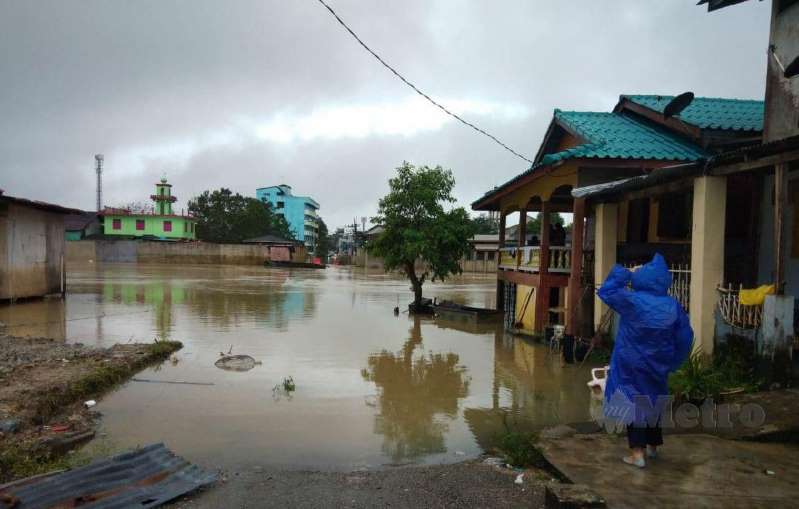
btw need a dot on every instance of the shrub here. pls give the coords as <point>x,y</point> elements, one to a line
<point>520,449</point>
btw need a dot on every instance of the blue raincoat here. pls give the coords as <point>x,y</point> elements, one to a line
<point>654,339</point>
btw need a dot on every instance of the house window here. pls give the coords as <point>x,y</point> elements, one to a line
<point>281,204</point>
<point>167,226</point>
<point>117,224</point>
<point>140,224</point>
<point>638,221</point>
<point>674,216</point>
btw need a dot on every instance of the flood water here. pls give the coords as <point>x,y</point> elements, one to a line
<point>372,389</point>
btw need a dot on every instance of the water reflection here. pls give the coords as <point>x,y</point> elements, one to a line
<point>46,318</point>
<point>432,387</point>
<point>417,397</point>
<point>102,298</point>
<point>532,389</point>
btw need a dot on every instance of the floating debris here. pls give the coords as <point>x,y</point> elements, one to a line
<point>236,363</point>
<point>177,382</point>
<point>286,388</point>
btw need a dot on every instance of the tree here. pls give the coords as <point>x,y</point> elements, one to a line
<point>534,225</point>
<point>322,240</point>
<point>417,228</point>
<point>485,225</point>
<point>415,426</point>
<point>226,217</point>
<point>137,207</point>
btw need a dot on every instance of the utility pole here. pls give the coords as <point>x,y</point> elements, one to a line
<point>98,160</point>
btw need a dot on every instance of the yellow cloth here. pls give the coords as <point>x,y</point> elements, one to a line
<point>756,296</point>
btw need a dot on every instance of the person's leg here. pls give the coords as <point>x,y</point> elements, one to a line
<point>654,439</point>
<point>636,440</point>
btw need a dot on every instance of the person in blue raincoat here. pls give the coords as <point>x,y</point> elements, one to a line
<point>654,339</point>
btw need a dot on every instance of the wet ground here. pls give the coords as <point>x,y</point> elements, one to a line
<point>372,389</point>
<point>699,471</point>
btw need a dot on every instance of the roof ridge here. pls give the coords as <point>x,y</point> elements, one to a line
<point>697,98</point>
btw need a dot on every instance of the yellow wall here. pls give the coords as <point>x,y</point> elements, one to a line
<point>528,319</point>
<point>543,187</point>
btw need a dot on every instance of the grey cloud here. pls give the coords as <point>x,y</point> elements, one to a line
<point>120,77</point>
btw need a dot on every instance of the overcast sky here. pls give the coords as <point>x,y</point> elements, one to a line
<point>247,94</point>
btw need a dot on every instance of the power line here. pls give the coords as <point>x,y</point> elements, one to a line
<point>398,75</point>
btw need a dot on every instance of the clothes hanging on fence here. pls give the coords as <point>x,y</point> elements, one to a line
<point>755,296</point>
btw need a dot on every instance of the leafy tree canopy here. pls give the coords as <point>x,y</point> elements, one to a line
<point>418,228</point>
<point>137,207</point>
<point>323,240</point>
<point>485,225</point>
<point>534,224</point>
<point>226,217</point>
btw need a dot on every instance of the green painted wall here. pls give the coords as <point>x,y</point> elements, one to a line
<point>73,235</point>
<point>182,227</point>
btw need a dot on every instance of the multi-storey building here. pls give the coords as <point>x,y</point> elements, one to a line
<point>301,212</point>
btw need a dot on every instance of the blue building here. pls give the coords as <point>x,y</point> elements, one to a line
<point>301,212</point>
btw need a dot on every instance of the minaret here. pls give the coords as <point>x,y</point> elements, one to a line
<point>163,198</point>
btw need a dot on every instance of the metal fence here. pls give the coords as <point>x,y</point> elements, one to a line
<point>680,283</point>
<point>737,314</point>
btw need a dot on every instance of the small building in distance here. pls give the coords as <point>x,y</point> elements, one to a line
<point>280,249</point>
<point>31,247</point>
<point>82,225</point>
<point>301,212</point>
<point>160,224</point>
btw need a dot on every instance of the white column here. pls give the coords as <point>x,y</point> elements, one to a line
<point>707,257</point>
<point>605,241</point>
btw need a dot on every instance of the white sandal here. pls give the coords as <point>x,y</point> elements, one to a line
<point>640,463</point>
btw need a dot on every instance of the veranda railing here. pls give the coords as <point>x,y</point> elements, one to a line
<point>735,313</point>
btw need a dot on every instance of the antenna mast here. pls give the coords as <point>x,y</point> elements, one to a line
<point>98,159</point>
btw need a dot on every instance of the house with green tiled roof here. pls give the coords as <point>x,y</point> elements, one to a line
<point>739,203</point>
<point>540,280</point>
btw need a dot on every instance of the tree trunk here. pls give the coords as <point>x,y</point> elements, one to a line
<point>416,284</point>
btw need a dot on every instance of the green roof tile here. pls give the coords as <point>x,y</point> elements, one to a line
<point>618,136</point>
<point>710,112</point>
<point>624,136</point>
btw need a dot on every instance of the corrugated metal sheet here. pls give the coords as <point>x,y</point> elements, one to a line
<point>146,477</point>
<point>599,192</point>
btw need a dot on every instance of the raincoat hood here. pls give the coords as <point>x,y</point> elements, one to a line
<point>653,277</point>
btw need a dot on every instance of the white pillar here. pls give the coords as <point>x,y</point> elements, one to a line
<point>605,240</point>
<point>707,257</point>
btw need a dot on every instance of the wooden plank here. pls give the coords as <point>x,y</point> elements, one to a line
<point>575,289</point>
<point>645,165</point>
<point>655,116</point>
<point>544,236</point>
<point>756,164</point>
<point>521,232</point>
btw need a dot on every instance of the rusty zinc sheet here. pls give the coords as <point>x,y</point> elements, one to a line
<point>146,477</point>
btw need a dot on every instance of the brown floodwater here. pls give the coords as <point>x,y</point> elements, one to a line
<point>372,389</point>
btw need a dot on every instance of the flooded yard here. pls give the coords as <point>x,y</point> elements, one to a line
<point>372,389</point>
